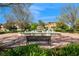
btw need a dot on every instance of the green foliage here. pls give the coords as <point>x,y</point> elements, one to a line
<point>2,32</point>
<point>30,50</point>
<point>70,30</point>
<point>33,26</point>
<point>61,27</point>
<point>35,50</point>
<point>69,50</point>
<point>77,26</point>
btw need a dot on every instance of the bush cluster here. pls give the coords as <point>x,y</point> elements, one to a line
<point>35,50</point>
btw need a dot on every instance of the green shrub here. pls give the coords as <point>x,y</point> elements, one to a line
<point>30,50</point>
<point>35,50</point>
<point>69,50</point>
<point>71,30</point>
<point>2,32</point>
<point>58,30</point>
<point>61,27</point>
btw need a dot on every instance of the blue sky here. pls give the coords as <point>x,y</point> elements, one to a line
<point>46,12</point>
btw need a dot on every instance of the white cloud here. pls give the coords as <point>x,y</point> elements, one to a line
<point>37,8</point>
<point>37,11</point>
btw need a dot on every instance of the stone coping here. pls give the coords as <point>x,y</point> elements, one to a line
<point>41,33</point>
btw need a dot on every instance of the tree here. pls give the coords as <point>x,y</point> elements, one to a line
<point>10,23</point>
<point>23,25</point>
<point>34,26</point>
<point>61,26</point>
<point>10,26</point>
<point>41,23</point>
<point>77,25</point>
<point>20,14</point>
<point>69,15</point>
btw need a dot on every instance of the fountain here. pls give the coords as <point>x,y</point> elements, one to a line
<point>40,36</point>
<point>48,32</point>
